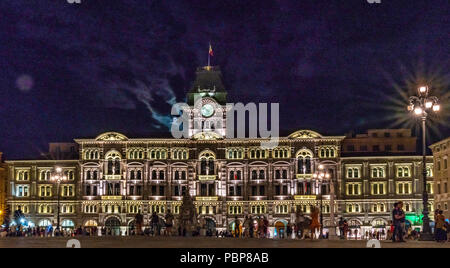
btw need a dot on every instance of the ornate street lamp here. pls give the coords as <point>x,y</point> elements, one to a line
<point>58,177</point>
<point>421,105</point>
<point>320,176</point>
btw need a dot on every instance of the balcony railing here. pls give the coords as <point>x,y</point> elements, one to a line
<point>206,177</point>
<point>113,177</point>
<point>305,197</point>
<point>303,176</point>
<point>207,198</point>
<point>112,197</point>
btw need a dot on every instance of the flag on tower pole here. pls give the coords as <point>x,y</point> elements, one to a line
<point>210,53</point>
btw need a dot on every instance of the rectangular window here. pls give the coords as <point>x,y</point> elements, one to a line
<point>378,188</point>
<point>261,191</point>
<point>277,190</point>
<point>231,191</point>
<point>254,191</point>
<point>203,189</point>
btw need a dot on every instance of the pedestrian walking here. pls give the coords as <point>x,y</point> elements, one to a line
<point>169,223</point>
<point>252,227</point>
<point>246,227</point>
<point>315,224</point>
<point>441,233</point>
<point>398,218</point>
<point>155,223</point>
<point>265,226</point>
<point>341,228</point>
<point>289,230</point>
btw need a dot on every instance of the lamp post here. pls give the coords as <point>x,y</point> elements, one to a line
<point>421,105</point>
<point>332,228</point>
<point>319,176</point>
<point>58,177</point>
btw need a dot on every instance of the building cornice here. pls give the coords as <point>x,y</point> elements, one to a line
<point>419,157</point>
<point>439,143</point>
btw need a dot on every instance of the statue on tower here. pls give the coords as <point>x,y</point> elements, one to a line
<point>188,222</point>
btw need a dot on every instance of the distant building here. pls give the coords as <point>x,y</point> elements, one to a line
<point>63,150</point>
<point>381,141</point>
<point>441,152</point>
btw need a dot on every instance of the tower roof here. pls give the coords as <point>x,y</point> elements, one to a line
<point>208,81</point>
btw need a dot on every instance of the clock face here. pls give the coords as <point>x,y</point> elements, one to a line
<point>207,110</point>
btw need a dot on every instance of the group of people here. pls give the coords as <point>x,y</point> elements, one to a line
<point>251,227</point>
<point>399,231</point>
<point>303,227</point>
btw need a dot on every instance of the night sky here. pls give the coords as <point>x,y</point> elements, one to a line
<point>71,71</point>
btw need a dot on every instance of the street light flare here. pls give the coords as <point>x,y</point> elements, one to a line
<point>423,89</point>
<point>418,111</point>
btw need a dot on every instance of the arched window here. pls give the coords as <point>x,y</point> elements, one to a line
<point>254,175</point>
<point>91,223</point>
<point>110,166</point>
<point>203,167</point>
<point>261,175</point>
<point>304,163</point>
<point>308,165</point>
<point>207,163</point>
<point>300,165</point>
<point>277,174</point>
<point>44,223</point>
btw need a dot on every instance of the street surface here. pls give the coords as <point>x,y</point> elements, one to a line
<point>199,242</point>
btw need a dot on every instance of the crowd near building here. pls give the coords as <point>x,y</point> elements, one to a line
<point>111,178</point>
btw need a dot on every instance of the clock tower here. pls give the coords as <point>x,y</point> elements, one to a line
<point>207,101</point>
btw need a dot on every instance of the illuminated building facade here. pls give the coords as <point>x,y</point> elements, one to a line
<point>441,152</point>
<point>115,177</point>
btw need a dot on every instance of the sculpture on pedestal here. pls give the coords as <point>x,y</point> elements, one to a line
<point>188,222</point>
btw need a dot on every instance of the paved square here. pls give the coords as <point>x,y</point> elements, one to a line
<point>200,242</point>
